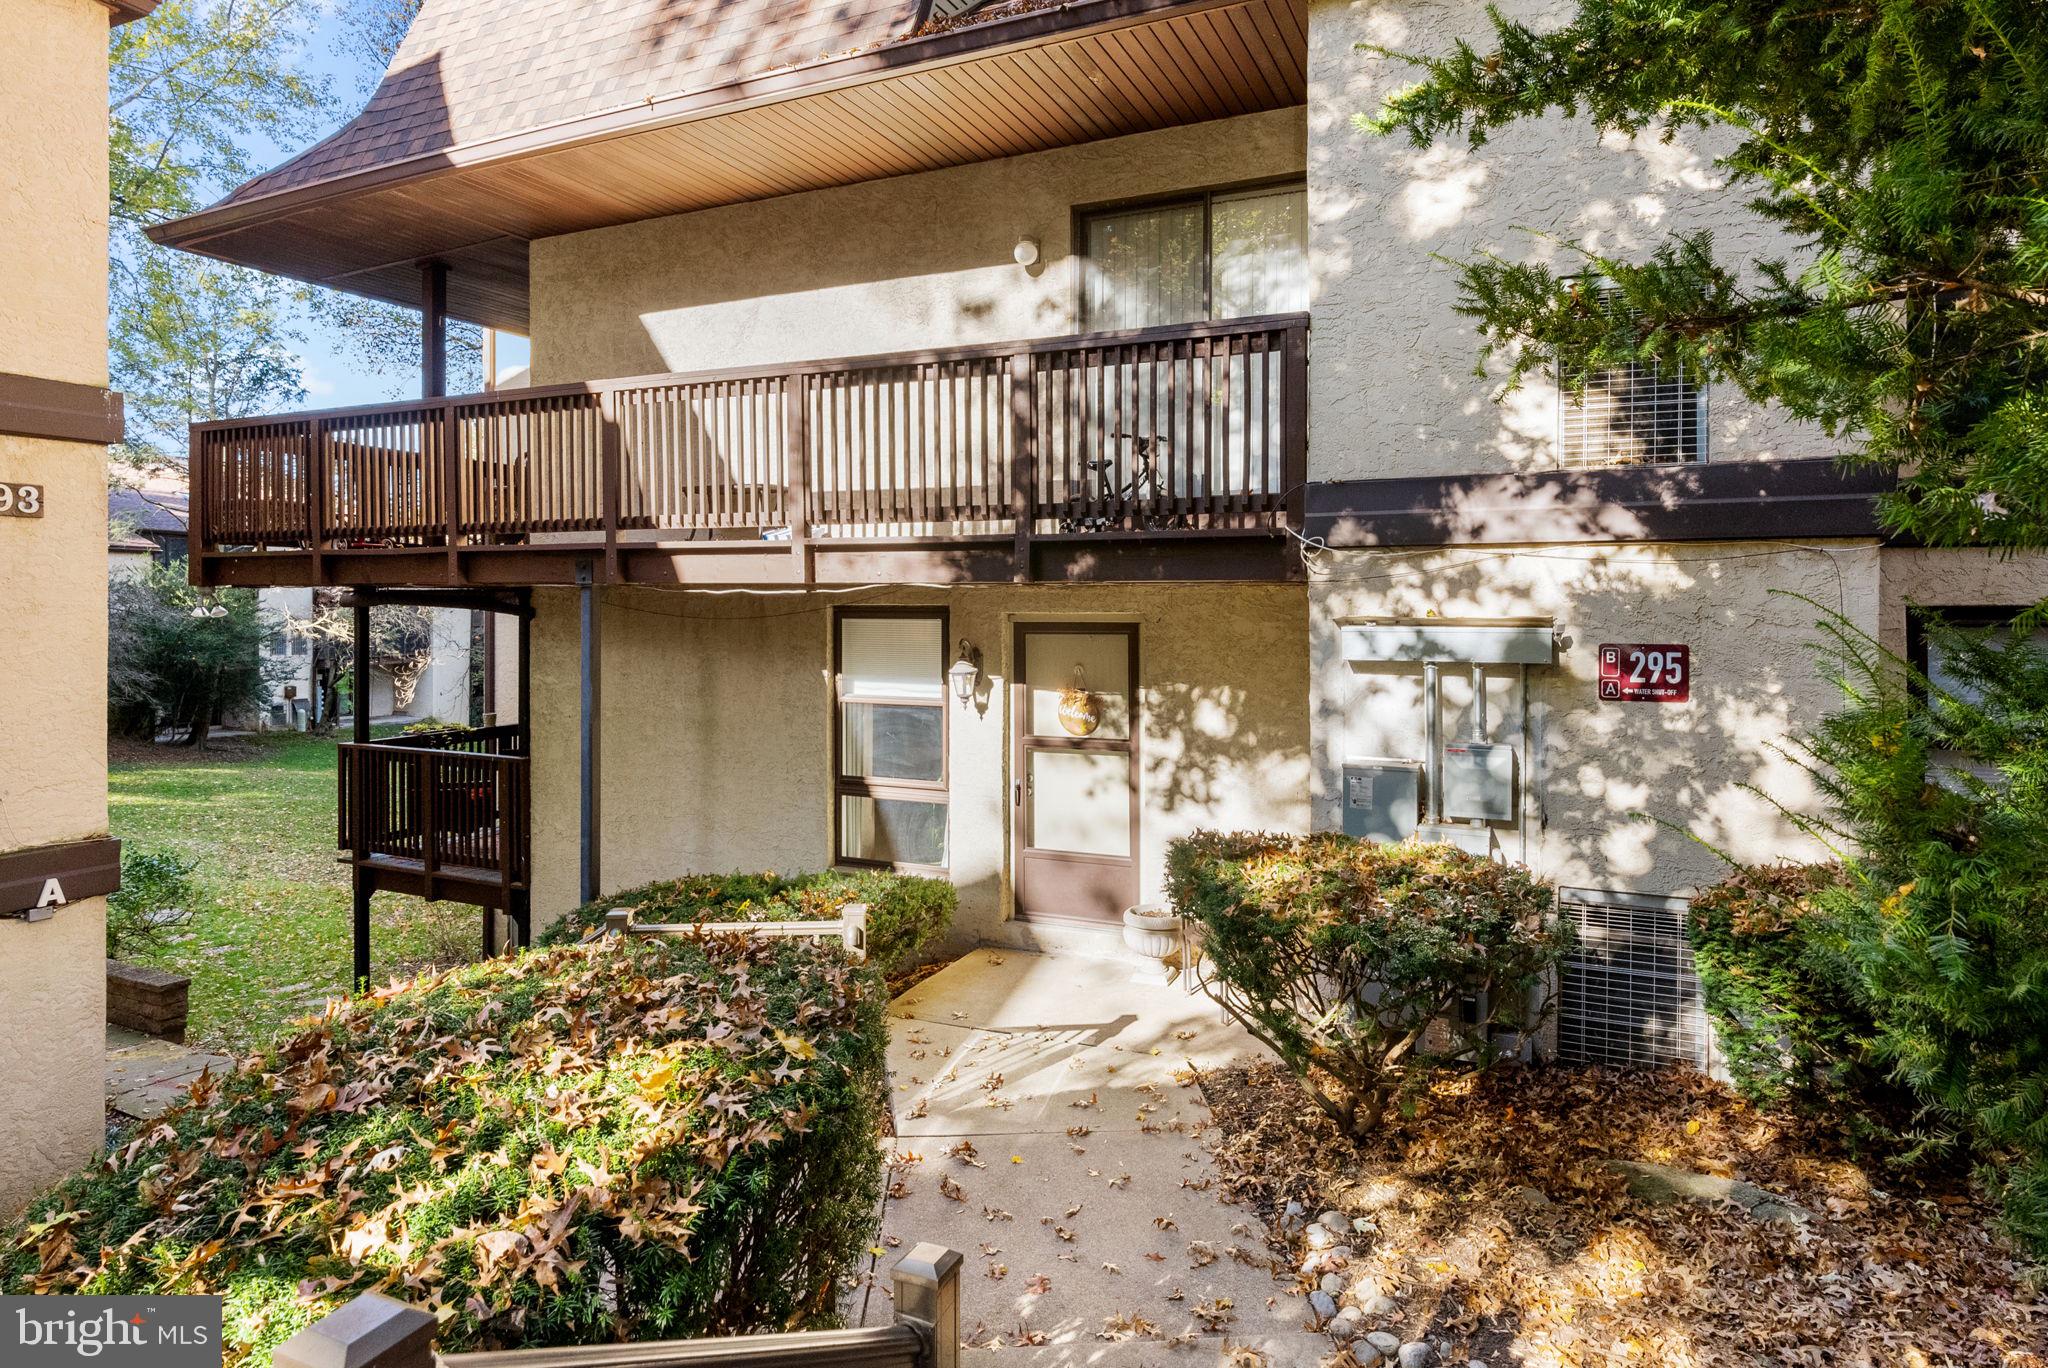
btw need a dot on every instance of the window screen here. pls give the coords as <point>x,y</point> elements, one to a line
<point>1639,414</point>
<point>1233,255</point>
<point>891,738</point>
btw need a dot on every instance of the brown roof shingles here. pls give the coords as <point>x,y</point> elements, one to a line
<point>472,70</point>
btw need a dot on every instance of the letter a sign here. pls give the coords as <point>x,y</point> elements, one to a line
<point>38,883</point>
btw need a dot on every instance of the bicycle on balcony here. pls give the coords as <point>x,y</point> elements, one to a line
<point>1126,505</point>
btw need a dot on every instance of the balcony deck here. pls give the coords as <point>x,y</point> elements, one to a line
<point>1169,453</point>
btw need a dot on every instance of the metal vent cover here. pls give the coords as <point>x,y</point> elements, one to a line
<point>1637,414</point>
<point>1628,995</point>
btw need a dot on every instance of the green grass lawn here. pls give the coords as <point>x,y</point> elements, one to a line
<point>269,936</point>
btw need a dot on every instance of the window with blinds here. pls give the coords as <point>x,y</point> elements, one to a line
<point>1639,414</point>
<point>1238,254</point>
<point>890,737</point>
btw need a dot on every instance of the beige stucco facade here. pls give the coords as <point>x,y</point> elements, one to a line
<point>53,578</point>
<point>716,706</point>
<point>716,729</point>
<point>885,266</point>
<point>1391,388</point>
<point>1614,792</point>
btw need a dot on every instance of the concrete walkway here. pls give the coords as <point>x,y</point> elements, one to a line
<point>1047,1129</point>
<point>145,1075</point>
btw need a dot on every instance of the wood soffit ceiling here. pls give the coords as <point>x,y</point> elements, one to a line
<point>1038,78</point>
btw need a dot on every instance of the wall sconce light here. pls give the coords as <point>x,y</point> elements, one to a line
<point>1026,251</point>
<point>965,672</point>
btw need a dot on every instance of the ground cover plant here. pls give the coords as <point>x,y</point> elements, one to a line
<point>268,935</point>
<point>907,914</point>
<point>663,1138</point>
<point>1491,1220</point>
<point>1365,966</point>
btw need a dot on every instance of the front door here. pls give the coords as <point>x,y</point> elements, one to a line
<point>1074,764</point>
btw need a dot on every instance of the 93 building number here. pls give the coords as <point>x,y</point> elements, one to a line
<point>20,500</point>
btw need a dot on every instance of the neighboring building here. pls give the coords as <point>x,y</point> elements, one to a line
<point>148,524</point>
<point>158,512</point>
<point>57,418</point>
<point>1160,428</point>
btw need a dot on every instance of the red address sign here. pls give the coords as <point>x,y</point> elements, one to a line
<point>1642,672</point>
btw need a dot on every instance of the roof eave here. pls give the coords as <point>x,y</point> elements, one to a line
<point>808,78</point>
<point>121,12</point>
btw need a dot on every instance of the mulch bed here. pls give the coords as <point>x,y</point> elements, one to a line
<point>1499,1229</point>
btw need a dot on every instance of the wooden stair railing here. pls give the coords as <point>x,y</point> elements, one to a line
<point>454,804</point>
<point>376,1331</point>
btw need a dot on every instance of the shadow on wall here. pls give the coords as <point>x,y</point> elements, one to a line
<point>1384,214</point>
<point>1712,766</point>
<point>1202,744</point>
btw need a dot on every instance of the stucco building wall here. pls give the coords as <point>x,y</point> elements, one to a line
<point>1612,788</point>
<point>1391,388</point>
<point>892,265</point>
<point>717,727</point>
<point>53,583</point>
<point>1913,577</point>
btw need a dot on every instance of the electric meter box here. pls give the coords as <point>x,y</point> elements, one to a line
<point>1479,781</point>
<point>1382,798</point>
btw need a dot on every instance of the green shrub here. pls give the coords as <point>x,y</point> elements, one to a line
<point>1365,966</point>
<point>1939,790</point>
<point>670,1137</point>
<point>1786,1010</point>
<point>156,894</point>
<point>907,915</point>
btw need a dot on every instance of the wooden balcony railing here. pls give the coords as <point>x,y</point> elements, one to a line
<point>1164,432</point>
<point>446,812</point>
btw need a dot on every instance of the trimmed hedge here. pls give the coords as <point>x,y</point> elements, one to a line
<point>670,1137</point>
<point>1786,1009</point>
<point>907,914</point>
<point>1351,958</point>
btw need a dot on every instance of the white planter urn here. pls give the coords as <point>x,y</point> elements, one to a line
<point>1152,934</point>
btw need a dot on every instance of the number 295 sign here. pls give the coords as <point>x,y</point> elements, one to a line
<point>1635,672</point>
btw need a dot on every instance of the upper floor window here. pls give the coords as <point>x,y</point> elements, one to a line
<point>1639,414</point>
<point>1233,254</point>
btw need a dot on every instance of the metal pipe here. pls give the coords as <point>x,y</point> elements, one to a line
<point>359,882</point>
<point>589,737</point>
<point>1478,702</point>
<point>1432,740</point>
<point>433,329</point>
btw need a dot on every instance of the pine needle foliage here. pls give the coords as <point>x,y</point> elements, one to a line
<point>661,1139</point>
<point>1902,148</point>
<point>1938,790</point>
